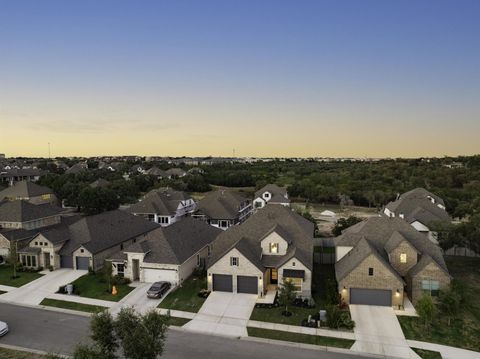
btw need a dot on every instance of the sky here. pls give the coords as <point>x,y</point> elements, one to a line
<point>266,78</point>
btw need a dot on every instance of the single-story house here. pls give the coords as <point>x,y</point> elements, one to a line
<point>168,253</point>
<point>256,257</point>
<point>381,259</point>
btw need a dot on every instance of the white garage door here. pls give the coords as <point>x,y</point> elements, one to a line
<point>151,275</point>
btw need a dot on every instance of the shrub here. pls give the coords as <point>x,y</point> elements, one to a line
<point>118,280</point>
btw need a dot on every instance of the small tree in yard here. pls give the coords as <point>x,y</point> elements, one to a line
<point>286,295</point>
<point>13,257</point>
<point>107,273</point>
<point>450,303</point>
<point>426,309</point>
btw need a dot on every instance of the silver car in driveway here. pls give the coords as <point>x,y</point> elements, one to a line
<point>3,329</point>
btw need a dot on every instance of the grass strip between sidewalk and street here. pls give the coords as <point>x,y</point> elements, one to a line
<point>427,354</point>
<point>18,354</point>
<point>299,338</point>
<point>178,322</point>
<point>72,305</point>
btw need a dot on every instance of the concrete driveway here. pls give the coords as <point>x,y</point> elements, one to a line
<point>34,292</point>
<point>377,331</point>
<point>224,314</point>
<point>138,299</point>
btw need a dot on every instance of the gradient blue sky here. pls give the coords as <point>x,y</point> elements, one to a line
<point>268,78</point>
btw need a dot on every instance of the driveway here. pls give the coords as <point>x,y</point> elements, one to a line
<point>224,314</point>
<point>377,331</point>
<point>138,299</point>
<point>34,292</point>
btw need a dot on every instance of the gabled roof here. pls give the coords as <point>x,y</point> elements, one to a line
<point>100,183</point>
<point>163,201</point>
<point>24,190</point>
<point>176,243</point>
<point>379,230</point>
<point>176,172</point>
<point>247,237</point>
<point>395,239</point>
<point>356,256</point>
<point>155,171</point>
<point>22,211</point>
<point>281,192</point>
<point>221,204</point>
<point>99,232</point>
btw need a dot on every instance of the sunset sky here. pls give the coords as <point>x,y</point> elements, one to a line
<point>268,78</point>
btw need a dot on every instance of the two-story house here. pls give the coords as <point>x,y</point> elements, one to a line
<point>223,208</point>
<point>164,206</point>
<point>271,193</point>
<point>256,257</point>
<point>381,259</point>
<point>421,209</point>
<point>28,191</point>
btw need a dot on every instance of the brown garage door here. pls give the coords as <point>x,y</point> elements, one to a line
<point>247,284</point>
<point>222,283</point>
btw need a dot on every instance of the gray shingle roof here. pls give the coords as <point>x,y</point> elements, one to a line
<point>247,237</point>
<point>164,201</point>
<point>23,211</point>
<point>273,189</point>
<point>100,183</point>
<point>24,189</point>
<point>378,231</point>
<point>176,243</point>
<point>221,204</point>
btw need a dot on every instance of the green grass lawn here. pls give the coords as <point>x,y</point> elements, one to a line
<point>16,354</point>
<point>320,275</point>
<point>72,305</point>
<point>23,278</point>
<point>464,331</point>
<point>178,322</point>
<point>93,286</point>
<point>427,354</point>
<point>185,298</point>
<point>299,338</point>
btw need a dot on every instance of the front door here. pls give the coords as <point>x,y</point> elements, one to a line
<point>136,269</point>
<point>273,276</point>
<point>46,260</point>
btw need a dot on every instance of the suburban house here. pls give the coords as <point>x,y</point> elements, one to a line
<point>420,208</point>
<point>156,172</point>
<point>28,191</point>
<point>13,175</point>
<point>77,168</point>
<point>164,206</point>
<point>168,253</point>
<point>382,258</point>
<point>255,257</point>
<point>86,242</point>
<point>223,208</point>
<point>272,194</point>
<point>176,173</point>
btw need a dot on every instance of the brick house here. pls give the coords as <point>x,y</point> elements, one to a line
<point>381,259</point>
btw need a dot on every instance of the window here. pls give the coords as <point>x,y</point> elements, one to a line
<point>121,246</point>
<point>223,224</point>
<point>234,261</point>
<point>273,247</point>
<point>81,250</point>
<point>24,260</point>
<point>29,261</point>
<point>403,258</point>
<point>163,220</point>
<point>293,264</point>
<point>431,287</point>
<point>267,195</point>
<point>209,250</point>
<point>34,261</point>
<point>36,243</point>
<point>198,260</point>
<point>297,283</point>
<point>370,271</point>
<point>121,270</point>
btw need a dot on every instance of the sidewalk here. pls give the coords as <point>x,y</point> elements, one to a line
<point>176,313</point>
<point>82,300</point>
<point>6,288</point>
<point>302,330</point>
<point>446,351</point>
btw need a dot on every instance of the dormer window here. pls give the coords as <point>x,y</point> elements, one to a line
<point>266,195</point>
<point>274,248</point>
<point>403,258</point>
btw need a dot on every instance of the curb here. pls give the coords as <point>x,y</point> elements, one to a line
<point>52,309</point>
<point>27,350</point>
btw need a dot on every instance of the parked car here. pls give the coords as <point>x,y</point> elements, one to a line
<point>3,329</point>
<point>158,289</point>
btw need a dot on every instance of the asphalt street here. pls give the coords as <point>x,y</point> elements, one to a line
<point>59,333</point>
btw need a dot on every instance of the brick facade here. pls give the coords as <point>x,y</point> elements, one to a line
<point>411,256</point>
<point>430,272</point>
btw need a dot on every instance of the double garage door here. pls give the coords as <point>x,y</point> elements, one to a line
<point>382,297</point>
<point>245,284</point>
<point>151,275</point>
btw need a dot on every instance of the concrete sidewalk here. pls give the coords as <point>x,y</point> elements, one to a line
<point>82,300</point>
<point>37,290</point>
<point>446,351</point>
<point>302,330</point>
<point>6,288</point>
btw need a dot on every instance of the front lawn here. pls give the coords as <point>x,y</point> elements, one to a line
<point>72,305</point>
<point>299,338</point>
<point>23,278</point>
<point>178,322</point>
<point>427,354</point>
<point>465,328</point>
<point>185,297</point>
<point>94,286</point>
<point>17,354</point>
<point>321,273</point>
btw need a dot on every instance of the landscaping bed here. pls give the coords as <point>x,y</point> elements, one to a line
<point>186,297</point>
<point>6,273</point>
<point>93,285</point>
<point>463,332</point>
<point>72,305</point>
<point>299,338</point>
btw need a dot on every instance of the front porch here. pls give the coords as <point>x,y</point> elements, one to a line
<point>269,296</point>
